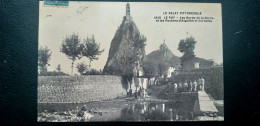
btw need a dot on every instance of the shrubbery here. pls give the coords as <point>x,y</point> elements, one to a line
<point>93,72</point>
<point>53,73</point>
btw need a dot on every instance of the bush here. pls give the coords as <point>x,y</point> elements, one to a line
<point>54,73</point>
<point>93,72</point>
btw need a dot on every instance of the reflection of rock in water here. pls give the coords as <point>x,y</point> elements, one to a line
<point>157,111</point>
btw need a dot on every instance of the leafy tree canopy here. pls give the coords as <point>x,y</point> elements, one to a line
<point>44,56</point>
<point>71,47</point>
<point>187,47</point>
<point>91,49</point>
<point>150,69</point>
<point>163,68</point>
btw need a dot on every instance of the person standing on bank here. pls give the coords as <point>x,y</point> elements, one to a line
<point>130,92</point>
<point>136,94</point>
<point>139,91</point>
<point>191,86</point>
<point>199,84</point>
<point>175,88</point>
<point>180,87</point>
<point>202,84</point>
<point>195,85</point>
<point>185,86</point>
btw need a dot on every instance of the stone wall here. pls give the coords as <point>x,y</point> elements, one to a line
<point>66,89</point>
<point>213,76</point>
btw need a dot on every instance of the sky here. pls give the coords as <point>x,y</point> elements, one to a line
<point>102,19</point>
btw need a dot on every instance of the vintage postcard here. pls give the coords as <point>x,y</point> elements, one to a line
<point>130,61</point>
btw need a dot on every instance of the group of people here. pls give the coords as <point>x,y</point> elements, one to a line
<point>192,86</point>
<point>141,93</point>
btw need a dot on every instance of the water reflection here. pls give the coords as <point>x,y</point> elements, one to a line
<point>169,111</point>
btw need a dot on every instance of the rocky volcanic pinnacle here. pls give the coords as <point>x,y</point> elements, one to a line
<point>124,43</point>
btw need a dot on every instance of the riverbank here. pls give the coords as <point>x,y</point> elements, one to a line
<point>123,109</point>
<point>98,111</point>
<point>107,110</point>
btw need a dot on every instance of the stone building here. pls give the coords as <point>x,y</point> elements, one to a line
<point>197,63</point>
<point>170,72</point>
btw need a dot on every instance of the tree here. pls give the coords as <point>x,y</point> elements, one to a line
<point>91,49</point>
<point>187,47</point>
<point>124,67</point>
<point>124,83</point>
<point>44,56</point>
<point>150,69</point>
<point>162,69</point>
<point>82,67</point>
<point>58,68</point>
<point>139,50</point>
<point>136,80</point>
<point>139,43</point>
<point>72,48</point>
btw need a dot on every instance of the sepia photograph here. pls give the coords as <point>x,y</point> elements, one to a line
<point>130,61</point>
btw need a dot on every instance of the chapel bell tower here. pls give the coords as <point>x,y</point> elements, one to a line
<point>127,13</point>
<point>127,9</point>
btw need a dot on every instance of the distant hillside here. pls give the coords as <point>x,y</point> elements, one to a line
<point>164,55</point>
